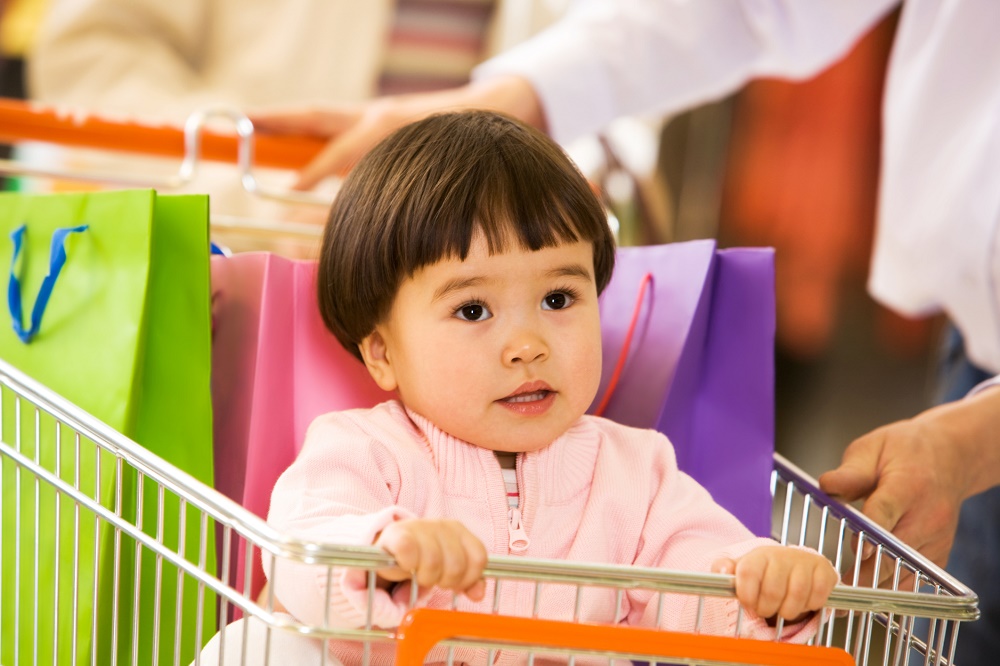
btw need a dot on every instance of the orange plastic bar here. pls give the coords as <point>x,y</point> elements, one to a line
<point>423,628</point>
<point>21,121</point>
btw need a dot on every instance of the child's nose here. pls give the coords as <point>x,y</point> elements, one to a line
<point>525,347</point>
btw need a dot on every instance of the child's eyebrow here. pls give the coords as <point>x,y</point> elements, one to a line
<point>571,270</point>
<point>456,285</point>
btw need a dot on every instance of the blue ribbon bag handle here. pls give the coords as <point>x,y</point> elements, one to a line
<point>57,258</point>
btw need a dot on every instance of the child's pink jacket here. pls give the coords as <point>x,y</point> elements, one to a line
<point>602,492</point>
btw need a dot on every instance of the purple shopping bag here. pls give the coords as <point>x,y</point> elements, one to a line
<point>700,363</point>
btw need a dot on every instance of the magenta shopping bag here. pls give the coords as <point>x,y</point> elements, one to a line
<point>275,368</point>
<point>700,363</point>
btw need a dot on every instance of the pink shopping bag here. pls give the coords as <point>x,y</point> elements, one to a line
<point>274,369</point>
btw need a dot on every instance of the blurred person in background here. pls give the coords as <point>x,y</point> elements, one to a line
<point>159,61</point>
<point>937,245</point>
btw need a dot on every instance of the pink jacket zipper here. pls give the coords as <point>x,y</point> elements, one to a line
<point>518,542</point>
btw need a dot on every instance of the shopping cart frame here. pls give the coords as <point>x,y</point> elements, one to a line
<point>806,516</point>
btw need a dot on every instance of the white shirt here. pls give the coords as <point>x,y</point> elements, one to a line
<point>937,246</point>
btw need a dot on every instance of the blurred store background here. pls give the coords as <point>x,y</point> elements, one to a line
<point>788,165</point>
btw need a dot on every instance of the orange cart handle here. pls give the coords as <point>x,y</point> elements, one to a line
<point>21,121</point>
<point>423,628</point>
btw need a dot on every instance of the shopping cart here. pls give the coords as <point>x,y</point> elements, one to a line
<point>898,609</point>
<point>873,624</point>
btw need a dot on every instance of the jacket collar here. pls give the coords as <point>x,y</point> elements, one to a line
<point>552,475</point>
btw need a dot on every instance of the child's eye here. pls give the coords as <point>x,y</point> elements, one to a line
<point>473,312</point>
<point>557,300</point>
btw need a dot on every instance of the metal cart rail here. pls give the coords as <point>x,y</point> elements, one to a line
<point>874,624</point>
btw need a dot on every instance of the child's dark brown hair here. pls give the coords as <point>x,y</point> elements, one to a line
<point>422,193</point>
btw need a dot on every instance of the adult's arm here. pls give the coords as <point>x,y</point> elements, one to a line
<point>606,59</point>
<point>609,59</point>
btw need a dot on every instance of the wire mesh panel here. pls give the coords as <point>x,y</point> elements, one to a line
<point>874,565</point>
<point>83,524</point>
<point>83,519</point>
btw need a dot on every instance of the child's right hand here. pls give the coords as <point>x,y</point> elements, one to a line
<point>437,552</point>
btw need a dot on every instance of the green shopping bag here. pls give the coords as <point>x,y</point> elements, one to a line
<point>110,308</point>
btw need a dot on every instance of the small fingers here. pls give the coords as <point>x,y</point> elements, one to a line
<point>399,542</point>
<point>477,592</point>
<point>724,565</point>
<point>798,591</point>
<point>429,567</point>
<point>824,579</point>
<point>472,583</point>
<point>773,588</point>
<point>454,559</point>
<point>784,582</point>
<point>436,553</point>
<point>749,571</point>
<point>417,552</point>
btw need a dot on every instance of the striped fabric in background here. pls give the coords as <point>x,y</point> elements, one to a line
<point>434,44</point>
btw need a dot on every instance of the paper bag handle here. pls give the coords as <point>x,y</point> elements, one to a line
<point>626,345</point>
<point>57,258</point>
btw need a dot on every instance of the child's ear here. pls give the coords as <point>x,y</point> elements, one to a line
<point>376,357</point>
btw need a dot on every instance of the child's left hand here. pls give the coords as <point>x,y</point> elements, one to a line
<point>781,581</point>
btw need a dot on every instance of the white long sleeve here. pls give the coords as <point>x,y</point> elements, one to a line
<point>608,59</point>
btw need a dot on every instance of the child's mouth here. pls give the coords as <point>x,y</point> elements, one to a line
<point>530,399</point>
<point>534,396</point>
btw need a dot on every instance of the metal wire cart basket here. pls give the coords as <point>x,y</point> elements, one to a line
<point>62,604</point>
<point>110,555</point>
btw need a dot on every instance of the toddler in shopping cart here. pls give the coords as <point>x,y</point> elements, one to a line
<point>462,264</point>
